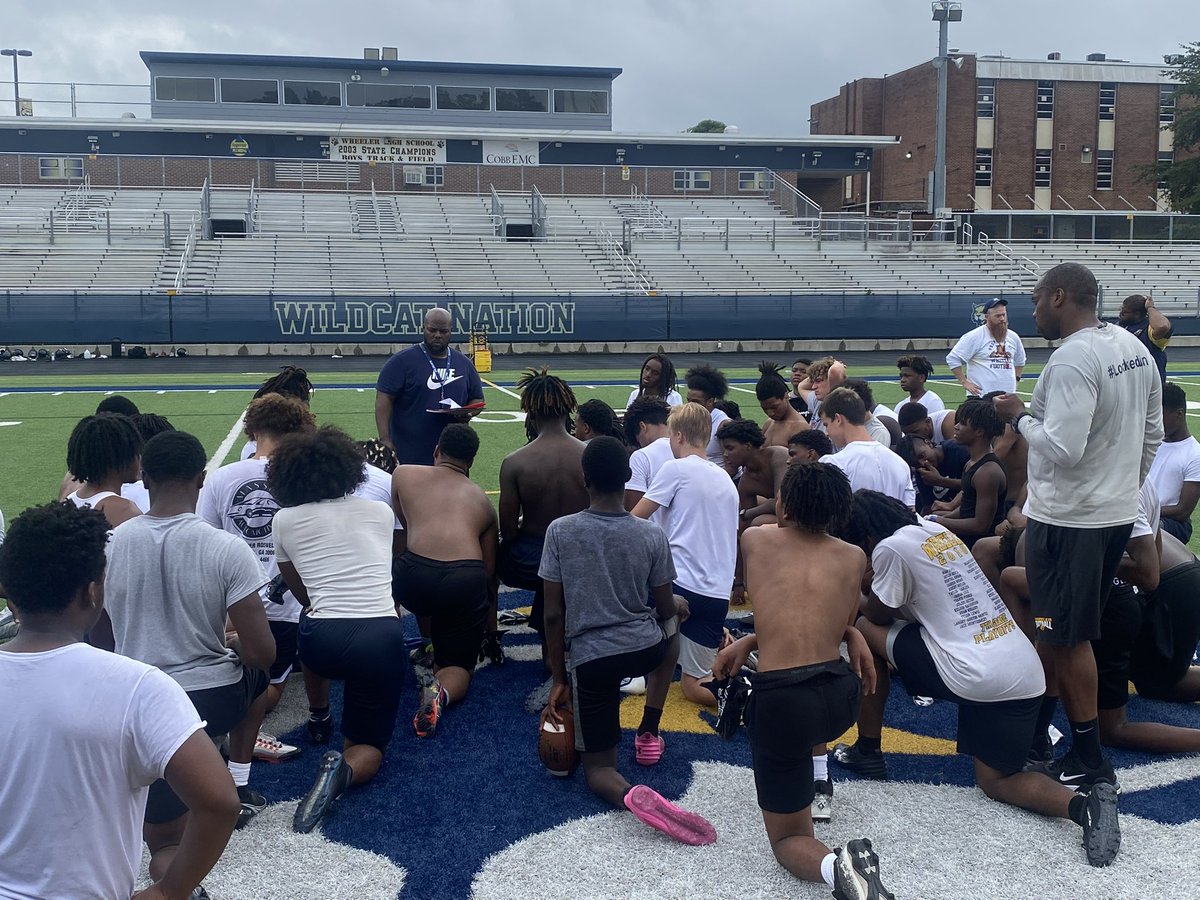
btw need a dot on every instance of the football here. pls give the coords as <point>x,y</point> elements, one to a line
<point>556,743</point>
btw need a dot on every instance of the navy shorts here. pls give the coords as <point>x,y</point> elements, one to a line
<point>454,594</point>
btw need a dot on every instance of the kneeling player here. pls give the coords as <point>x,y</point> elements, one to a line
<point>804,694</point>
<point>960,644</point>
<point>597,566</point>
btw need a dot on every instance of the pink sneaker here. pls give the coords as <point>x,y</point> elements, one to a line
<point>648,749</point>
<point>660,813</point>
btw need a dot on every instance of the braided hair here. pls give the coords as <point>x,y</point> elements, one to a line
<point>771,384</point>
<point>380,455</point>
<point>816,496</point>
<point>292,381</point>
<point>874,517</point>
<point>101,445</point>
<point>667,379</point>
<point>601,418</point>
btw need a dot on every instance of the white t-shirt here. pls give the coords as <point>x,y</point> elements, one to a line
<point>1175,463</point>
<point>1095,424</point>
<point>138,495</point>
<point>248,449</point>
<point>990,363</point>
<point>342,550</point>
<point>378,487</point>
<point>1149,514</point>
<point>978,649</point>
<point>878,432</point>
<point>881,410</point>
<point>713,452</point>
<point>872,467</point>
<point>938,419</point>
<point>235,499</point>
<point>74,785</point>
<point>931,401</point>
<point>644,465</point>
<point>673,398</point>
<point>700,503</point>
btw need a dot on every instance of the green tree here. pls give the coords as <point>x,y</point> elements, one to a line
<point>1182,177</point>
<point>707,126</point>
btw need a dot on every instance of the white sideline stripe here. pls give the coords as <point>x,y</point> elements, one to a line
<point>226,445</point>
<point>57,394</point>
<point>502,390</point>
<point>742,389</point>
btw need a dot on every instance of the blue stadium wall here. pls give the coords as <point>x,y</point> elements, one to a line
<point>46,319</point>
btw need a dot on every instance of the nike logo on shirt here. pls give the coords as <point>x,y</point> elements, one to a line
<point>434,385</point>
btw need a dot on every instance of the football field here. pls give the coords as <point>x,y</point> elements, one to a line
<point>471,813</point>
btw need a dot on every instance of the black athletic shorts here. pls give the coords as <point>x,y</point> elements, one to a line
<point>999,734</point>
<point>789,712</point>
<point>517,566</point>
<point>596,694</point>
<point>221,708</point>
<point>1119,629</point>
<point>370,657</point>
<point>1170,631</point>
<point>454,595</point>
<point>1070,573</point>
<point>286,652</point>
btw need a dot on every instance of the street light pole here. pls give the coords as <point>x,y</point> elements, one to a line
<point>16,76</point>
<point>944,12</point>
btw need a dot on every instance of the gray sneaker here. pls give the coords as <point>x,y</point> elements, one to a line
<point>822,805</point>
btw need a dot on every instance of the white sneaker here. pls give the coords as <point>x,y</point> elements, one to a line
<point>633,685</point>
<point>269,748</point>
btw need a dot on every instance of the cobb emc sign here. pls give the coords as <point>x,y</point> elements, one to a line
<point>510,153</point>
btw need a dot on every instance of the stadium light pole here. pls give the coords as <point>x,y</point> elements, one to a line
<point>16,77</point>
<point>944,12</point>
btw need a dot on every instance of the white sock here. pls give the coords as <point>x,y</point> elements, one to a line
<point>827,868</point>
<point>240,773</point>
<point>821,767</point>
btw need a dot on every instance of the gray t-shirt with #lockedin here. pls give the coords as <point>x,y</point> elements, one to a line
<point>606,563</point>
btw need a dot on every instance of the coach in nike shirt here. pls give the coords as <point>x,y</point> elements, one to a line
<point>417,380</point>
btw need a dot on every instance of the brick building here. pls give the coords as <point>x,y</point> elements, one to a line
<point>1021,134</point>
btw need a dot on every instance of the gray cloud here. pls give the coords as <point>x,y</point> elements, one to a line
<point>758,63</point>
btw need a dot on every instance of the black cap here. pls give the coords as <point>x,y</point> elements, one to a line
<point>995,301</point>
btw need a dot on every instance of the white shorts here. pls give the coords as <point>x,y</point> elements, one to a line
<point>696,659</point>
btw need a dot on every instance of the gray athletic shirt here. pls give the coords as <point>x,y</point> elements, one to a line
<point>169,583</point>
<point>606,563</point>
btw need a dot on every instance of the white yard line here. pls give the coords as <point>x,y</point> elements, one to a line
<point>742,389</point>
<point>502,390</point>
<point>226,445</point>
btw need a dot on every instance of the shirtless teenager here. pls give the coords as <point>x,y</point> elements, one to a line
<point>984,483</point>
<point>539,483</point>
<point>763,466</point>
<point>1013,452</point>
<point>783,420</point>
<point>803,613</point>
<point>104,453</point>
<point>448,570</point>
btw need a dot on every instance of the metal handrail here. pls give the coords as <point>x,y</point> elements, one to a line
<point>633,276</point>
<point>185,259</point>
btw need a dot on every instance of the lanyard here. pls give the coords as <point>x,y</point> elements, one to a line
<point>440,379</point>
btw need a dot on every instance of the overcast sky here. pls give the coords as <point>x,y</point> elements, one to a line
<point>758,64</point>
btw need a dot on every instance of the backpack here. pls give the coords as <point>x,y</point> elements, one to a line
<point>137,352</point>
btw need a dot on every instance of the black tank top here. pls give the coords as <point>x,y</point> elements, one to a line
<point>967,508</point>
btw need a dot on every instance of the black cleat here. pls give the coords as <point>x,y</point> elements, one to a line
<point>319,730</point>
<point>332,780</point>
<point>822,805</point>
<point>490,650</point>
<point>856,873</point>
<point>1101,827</point>
<point>867,764</point>
<point>252,804</point>
<point>1071,772</point>
<point>732,695</point>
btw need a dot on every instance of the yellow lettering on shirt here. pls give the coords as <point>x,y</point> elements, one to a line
<point>994,628</point>
<point>945,548</point>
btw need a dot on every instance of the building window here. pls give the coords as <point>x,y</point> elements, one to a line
<point>693,179</point>
<point>1166,104</point>
<point>1104,170</point>
<point>312,93</point>
<point>1108,101</point>
<point>522,100</point>
<point>394,96</point>
<point>435,176</point>
<point>593,103</point>
<point>756,180</point>
<point>983,167</point>
<point>1165,158</point>
<point>60,167</point>
<point>1042,165</point>
<point>475,98</point>
<point>193,90</point>
<point>985,98</point>
<point>249,90</point>
<point>1045,100</point>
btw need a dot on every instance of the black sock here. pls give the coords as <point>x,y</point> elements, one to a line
<point>650,720</point>
<point>1076,810</point>
<point>1041,737</point>
<point>318,712</point>
<point>713,687</point>
<point>1085,740</point>
<point>869,744</point>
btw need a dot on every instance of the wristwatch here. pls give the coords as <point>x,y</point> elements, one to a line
<point>1016,423</point>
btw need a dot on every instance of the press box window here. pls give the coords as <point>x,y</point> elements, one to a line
<point>464,98</point>
<point>192,90</point>
<point>249,90</point>
<point>1166,104</point>
<point>1045,100</point>
<point>1108,101</point>
<point>435,176</point>
<point>312,93</point>
<point>693,180</point>
<point>393,96</point>
<point>1104,170</point>
<point>756,181</point>
<point>1042,168</point>
<point>522,100</point>
<point>60,167</point>
<point>593,103</point>
<point>983,168</point>
<point>985,98</point>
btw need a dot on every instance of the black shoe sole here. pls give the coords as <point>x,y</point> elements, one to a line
<point>331,783</point>
<point>1102,841</point>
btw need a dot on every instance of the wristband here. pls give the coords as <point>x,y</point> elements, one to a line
<point>1016,423</point>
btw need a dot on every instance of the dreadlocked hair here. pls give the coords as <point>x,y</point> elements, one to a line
<point>667,380</point>
<point>980,414</point>
<point>380,455</point>
<point>874,517</point>
<point>101,445</point>
<point>771,385</point>
<point>601,418</point>
<point>292,381</point>
<point>545,396</point>
<point>918,364</point>
<point>816,496</point>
